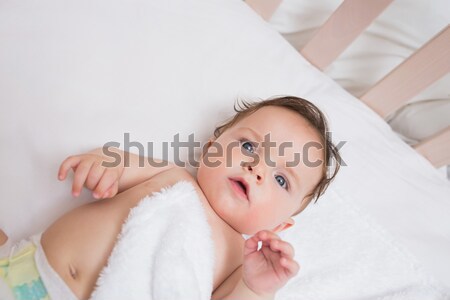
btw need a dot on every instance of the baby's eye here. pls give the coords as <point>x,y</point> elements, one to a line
<point>248,146</point>
<point>283,183</point>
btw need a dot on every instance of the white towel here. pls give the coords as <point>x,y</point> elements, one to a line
<point>164,251</point>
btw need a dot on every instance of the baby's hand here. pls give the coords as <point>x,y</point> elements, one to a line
<point>89,172</point>
<point>267,270</point>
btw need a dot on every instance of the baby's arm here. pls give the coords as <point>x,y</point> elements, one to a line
<point>105,173</point>
<point>266,270</point>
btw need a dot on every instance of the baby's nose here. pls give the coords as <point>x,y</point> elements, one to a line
<point>254,170</point>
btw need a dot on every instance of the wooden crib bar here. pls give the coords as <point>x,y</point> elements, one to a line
<point>339,31</point>
<point>420,70</point>
<point>436,148</point>
<point>265,8</point>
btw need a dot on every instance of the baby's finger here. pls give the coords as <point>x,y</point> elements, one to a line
<point>251,244</point>
<point>291,266</point>
<point>95,174</point>
<point>66,165</point>
<point>107,180</point>
<point>266,236</point>
<point>80,177</point>
<point>285,248</point>
<point>112,190</point>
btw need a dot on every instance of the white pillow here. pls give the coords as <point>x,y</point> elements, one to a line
<point>414,122</point>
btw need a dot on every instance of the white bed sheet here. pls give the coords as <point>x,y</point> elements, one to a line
<point>75,75</point>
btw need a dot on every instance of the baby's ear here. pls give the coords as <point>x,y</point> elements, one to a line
<point>285,225</point>
<point>206,146</point>
<point>209,143</point>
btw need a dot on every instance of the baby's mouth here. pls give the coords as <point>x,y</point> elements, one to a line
<point>241,185</point>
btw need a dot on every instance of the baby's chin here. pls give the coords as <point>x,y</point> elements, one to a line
<point>246,227</point>
<point>238,225</point>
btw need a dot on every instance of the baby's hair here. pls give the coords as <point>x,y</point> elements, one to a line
<point>312,115</point>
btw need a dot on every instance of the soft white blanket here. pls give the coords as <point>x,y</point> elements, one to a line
<point>164,251</point>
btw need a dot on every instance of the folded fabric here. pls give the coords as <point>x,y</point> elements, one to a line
<point>412,121</point>
<point>164,250</point>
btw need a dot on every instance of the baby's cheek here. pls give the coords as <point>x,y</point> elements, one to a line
<point>260,220</point>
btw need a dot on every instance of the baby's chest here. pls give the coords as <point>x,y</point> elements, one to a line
<point>225,287</point>
<point>228,261</point>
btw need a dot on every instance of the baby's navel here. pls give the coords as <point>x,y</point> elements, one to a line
<point>73,272</point>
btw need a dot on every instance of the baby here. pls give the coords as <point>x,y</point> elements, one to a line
<point>262,167</point>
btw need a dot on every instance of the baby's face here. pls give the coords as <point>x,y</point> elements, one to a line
<point>276,184</point>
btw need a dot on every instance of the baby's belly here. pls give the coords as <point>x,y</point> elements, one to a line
<point>78,244</point>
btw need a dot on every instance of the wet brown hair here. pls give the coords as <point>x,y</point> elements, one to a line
<point>312,115</point>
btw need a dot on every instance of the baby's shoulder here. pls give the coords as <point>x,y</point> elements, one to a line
<point>173,175</point>
<point>176,174</point>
